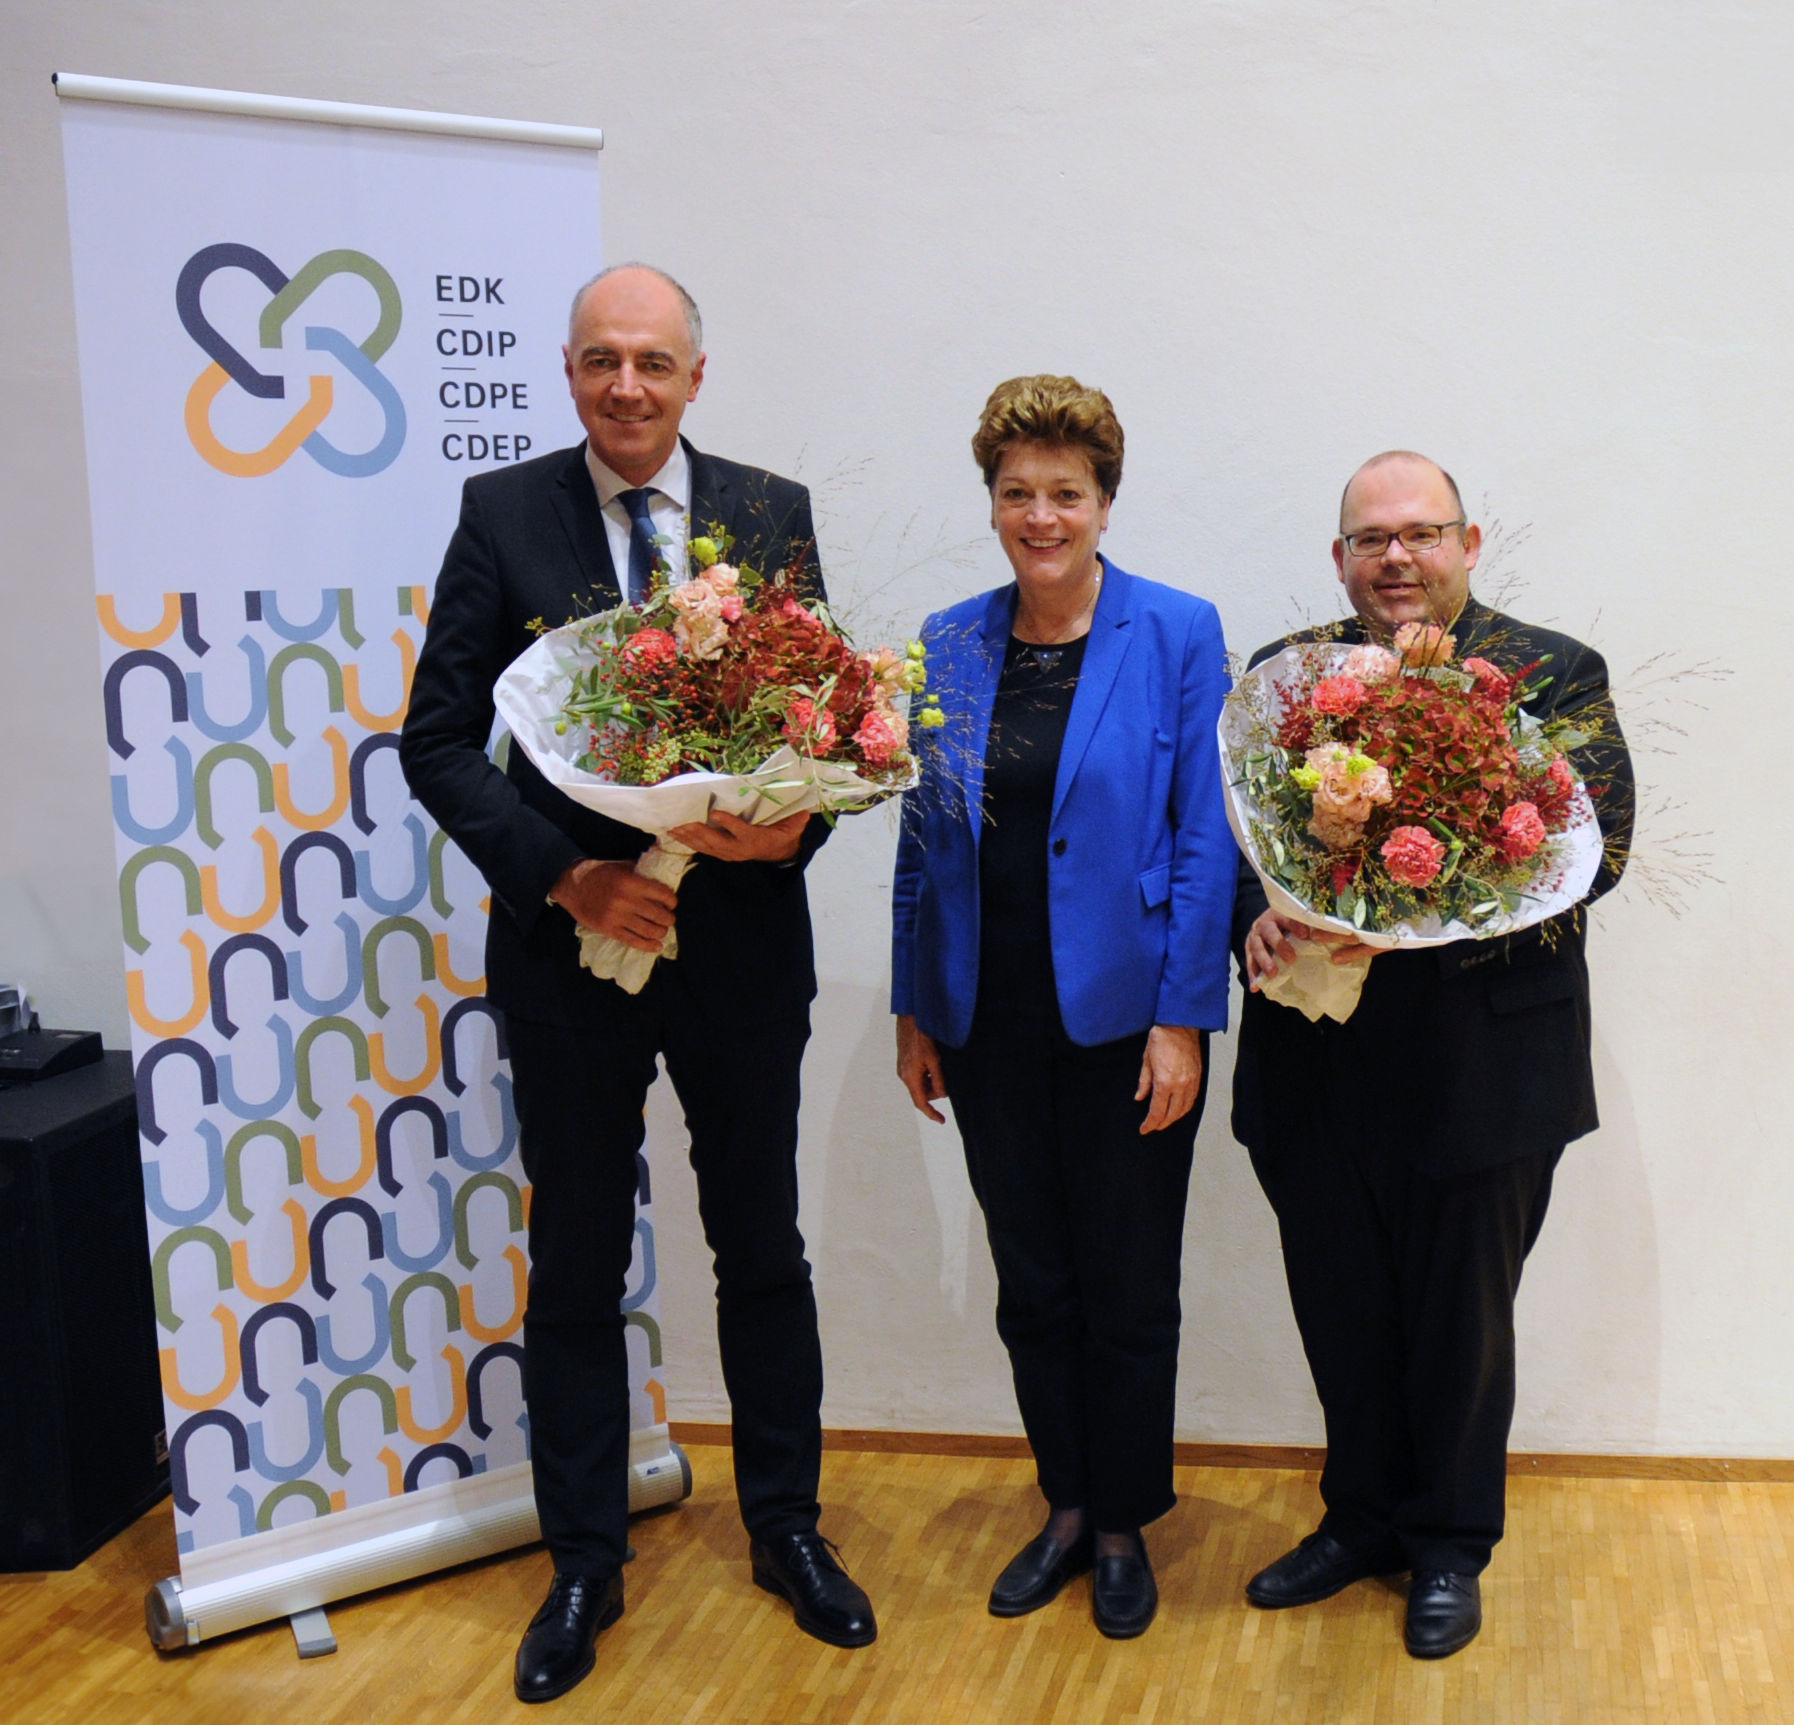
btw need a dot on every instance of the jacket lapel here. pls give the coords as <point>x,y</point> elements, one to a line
<point>576,502</point>
<point>713,499</point>
<point>1110,636</point>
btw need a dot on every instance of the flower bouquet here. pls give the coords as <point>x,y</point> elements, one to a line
<point>1401,798</point>
<point>724,691</point>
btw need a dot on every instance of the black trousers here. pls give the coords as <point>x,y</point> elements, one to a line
<point>1085,1219</point>
<point>1403,1288</point>
<point>580,1095</point>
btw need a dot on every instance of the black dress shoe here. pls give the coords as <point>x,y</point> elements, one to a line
<point>1444,1612</point>
<point>1124,1595</point>
<point>1317,1569</point>
<point>806,1569</point>
<point>1037,1572</point>
<point>556,1651</point>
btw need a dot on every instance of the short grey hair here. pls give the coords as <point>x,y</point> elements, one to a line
<point>694,324</point>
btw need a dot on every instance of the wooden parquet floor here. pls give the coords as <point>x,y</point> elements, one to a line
<point>1611,1600</point>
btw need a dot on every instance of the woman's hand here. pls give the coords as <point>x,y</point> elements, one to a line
<point>1171,1074</point>
<point>919,1066</point>
<point>1268,945</point>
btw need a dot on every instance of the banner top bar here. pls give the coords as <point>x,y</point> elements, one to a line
<point>78,86</point>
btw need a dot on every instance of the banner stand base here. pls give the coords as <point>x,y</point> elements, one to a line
<point>230,1587</point>
<point>312,1633</point>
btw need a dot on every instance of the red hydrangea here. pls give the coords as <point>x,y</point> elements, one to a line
<point>1413,856</point>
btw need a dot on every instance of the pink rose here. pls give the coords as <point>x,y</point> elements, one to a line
<point>731,608</point>
<point>721,579</point>
<point>1423,644</point>
<point>1350,788</point>
<point>1522,831</point>
<point>809,727</point>
<point>1490,679</point>
<point>1372,664</point>
<point>881,736</point>
<point>1340,696</point>
<point>1413,856</point>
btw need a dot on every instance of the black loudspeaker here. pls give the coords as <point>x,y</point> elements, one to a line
<point>82,1445</point>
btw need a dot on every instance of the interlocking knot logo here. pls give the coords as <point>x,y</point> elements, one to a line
<point>302,431</point>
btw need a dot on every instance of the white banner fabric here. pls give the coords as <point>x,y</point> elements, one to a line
<point>297,340</point>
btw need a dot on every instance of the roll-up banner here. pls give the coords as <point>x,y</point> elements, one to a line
<point>302,326</point>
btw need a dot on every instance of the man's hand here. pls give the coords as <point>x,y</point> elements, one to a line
<point>731,839</point>
<point>1171,1074</point>
<point>919,1066</point>
<point>611,898</point>
<point>1268,944</point>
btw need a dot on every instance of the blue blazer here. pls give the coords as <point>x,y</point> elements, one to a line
<point>1142,863</point>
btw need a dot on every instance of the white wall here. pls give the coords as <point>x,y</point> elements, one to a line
<point>1546,242</point>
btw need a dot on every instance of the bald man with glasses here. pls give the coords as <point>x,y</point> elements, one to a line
<point>1408,1153</point>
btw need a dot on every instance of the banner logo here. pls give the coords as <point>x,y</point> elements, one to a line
<point>229,366</point>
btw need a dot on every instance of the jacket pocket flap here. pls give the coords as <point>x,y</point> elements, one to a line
<point>1536,985</point>
<point>1155,885</point>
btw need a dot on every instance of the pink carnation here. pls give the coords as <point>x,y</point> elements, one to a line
<point>1412,856</point>
<point>1522,831</point>
<point>1340,696</point>
<point>1372,664</point>
<point>1490,679</point>
<point>1561,773</point>
<point>810,727</point>
<point>881,735</point>
<point>651,647</point>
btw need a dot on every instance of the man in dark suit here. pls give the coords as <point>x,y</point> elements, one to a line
<point>546,539</point>
<point>1409,1152</point>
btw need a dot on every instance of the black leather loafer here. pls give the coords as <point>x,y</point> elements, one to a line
<point>805,1569</point>
<point>1444,1613</point>
<point>556,1652</point>
<point>1124,1595</point>
<point>1317,1569</point>
<point>1037,1573</point>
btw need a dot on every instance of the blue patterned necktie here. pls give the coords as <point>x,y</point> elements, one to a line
<point>642,549</point>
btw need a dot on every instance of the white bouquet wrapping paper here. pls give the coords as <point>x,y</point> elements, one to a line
<point>529,696</point>
<point>1314,985</point>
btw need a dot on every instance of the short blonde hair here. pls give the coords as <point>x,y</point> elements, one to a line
<point>1058,411</point>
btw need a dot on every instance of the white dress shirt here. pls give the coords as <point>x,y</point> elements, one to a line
<point>669,509</point>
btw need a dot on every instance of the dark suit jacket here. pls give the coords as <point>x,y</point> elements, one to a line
<point>531,544</point>
<point>1471,1054</point>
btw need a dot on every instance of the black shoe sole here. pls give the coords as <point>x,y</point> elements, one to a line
<point>770,1584</point>
<point>612,1613</point>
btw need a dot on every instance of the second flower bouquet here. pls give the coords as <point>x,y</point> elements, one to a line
<point>724,691</point>
<point>1402,798</point>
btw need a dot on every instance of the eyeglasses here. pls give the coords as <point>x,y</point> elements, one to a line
<point>1418,536</point>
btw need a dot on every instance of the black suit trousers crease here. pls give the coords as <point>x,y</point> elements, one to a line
<point>1403,1288</point>
<point>580,1098</point>
<point>1085,1219</point>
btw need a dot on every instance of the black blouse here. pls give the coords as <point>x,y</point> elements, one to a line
<point>1021,766</point>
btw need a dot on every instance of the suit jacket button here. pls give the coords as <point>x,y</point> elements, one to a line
<point>1058,847</point>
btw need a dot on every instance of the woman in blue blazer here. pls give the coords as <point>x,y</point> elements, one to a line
<point>1064,888</point>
